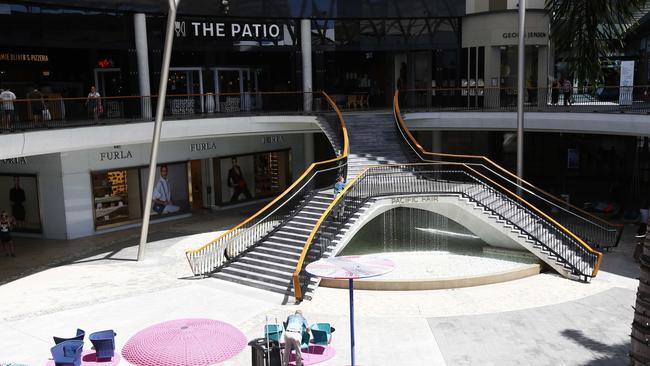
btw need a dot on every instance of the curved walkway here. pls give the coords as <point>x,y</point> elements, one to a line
<point>540,320</point>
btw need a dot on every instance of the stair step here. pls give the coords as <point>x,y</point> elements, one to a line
<point>265,264</point>
<point>273,259</point>
<point>254,283</point>
<point>283,253</point>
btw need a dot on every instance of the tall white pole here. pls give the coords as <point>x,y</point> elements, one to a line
<point>305,47</point>
<point>160,108</point>
<point>142,51</point>
<point>520,88</point>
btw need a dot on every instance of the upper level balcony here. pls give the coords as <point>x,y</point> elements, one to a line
<point>52,123</point>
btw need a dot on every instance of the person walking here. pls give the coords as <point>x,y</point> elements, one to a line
<point>567,90</point>
<point>7,97</point>
<point>339,186</point>
<point>555,92</point>
<point>93,103</point>
<point>296,323</point>
<point>37,106</point>
<point>6,226</point>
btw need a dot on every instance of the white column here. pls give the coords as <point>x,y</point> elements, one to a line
<point>305,46</point>
<point>142,52</point>
<point>542,76</point>
<point>436,141</point>
<point>308,146</point>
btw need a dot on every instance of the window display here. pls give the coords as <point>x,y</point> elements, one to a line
<point>251,176</point>
<point>170,191</point>
<point>116,195</point>
<point>19,198</point>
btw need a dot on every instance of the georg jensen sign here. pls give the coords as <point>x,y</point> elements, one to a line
<point>226,30</point>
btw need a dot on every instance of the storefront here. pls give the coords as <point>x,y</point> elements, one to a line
<point>86,192</point>
<point>357,51</point>
<point>489,54</point>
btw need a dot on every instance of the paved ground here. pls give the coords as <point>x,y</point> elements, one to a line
<point>95,284</point>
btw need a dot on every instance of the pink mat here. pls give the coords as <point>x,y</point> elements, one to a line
<point>88,359</point>
<point>313,355</point>
<point>184,342</point>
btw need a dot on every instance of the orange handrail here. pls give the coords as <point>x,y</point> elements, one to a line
<point>328,210</point>
<point>491,163</point>
<point>567,231</point>
<point>313,166</point>
<point>297,290</point>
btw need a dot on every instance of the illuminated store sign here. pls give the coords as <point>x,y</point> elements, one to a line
<point>27,57</point>
<point>222,30</point>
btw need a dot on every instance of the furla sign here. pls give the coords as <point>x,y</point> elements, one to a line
<point>253,31</point>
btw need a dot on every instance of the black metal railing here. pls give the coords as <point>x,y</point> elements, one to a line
<point>53,111</point>
<point>445,179</point>
<point>595,231</point>
<point>318,176</point>
<point>606,99</point>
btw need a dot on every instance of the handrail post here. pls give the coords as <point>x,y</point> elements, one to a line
<point>160,108</point>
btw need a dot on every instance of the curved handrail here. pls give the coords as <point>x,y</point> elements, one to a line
<point>297,289</point>
<point>313,168</point>
<point>328,211</point>
<point>559,203</point>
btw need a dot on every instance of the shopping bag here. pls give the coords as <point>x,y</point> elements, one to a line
<point>47,116</point>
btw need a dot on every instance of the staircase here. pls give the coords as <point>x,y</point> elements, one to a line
<point>373,141</point>
<point>269,265</point>
<point>269,256</point>
<point>531,231</point>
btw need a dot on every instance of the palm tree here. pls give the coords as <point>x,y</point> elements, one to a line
<point>586,32</point>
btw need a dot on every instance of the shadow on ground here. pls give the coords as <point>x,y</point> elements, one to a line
<point>608,355</point>
<point>36,255</point>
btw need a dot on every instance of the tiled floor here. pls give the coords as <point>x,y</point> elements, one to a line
<point>95,284</point>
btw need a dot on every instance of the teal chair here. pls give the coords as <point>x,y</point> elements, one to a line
<point>274,332</point>
<point>321,334</point>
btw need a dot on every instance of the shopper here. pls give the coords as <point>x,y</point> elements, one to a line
<point>339,186</point>
<point>567,90</point>
<point>555,92</point>
<point>162,194</point>
<point>17,199</point>
<point>296,324</point>
<point>236,180</point>
<point>93,104</point>
<point>7,97</point>
<point>37,106</point>
<point>6,225</point>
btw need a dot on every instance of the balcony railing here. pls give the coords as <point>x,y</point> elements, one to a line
<point>55,112</point>
<point>608,99</point>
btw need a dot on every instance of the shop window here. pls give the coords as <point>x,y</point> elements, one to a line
<point>119,194</point>
<point>171,190</point>
<point>19,198</point>
<point>116,196</point>
<point>252,176</point>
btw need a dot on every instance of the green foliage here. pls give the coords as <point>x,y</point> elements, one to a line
<point>586,32</point>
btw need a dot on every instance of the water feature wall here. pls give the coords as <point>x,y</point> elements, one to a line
<point>409,229</point>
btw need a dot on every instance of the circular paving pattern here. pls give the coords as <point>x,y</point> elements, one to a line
<point>184,342</point>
